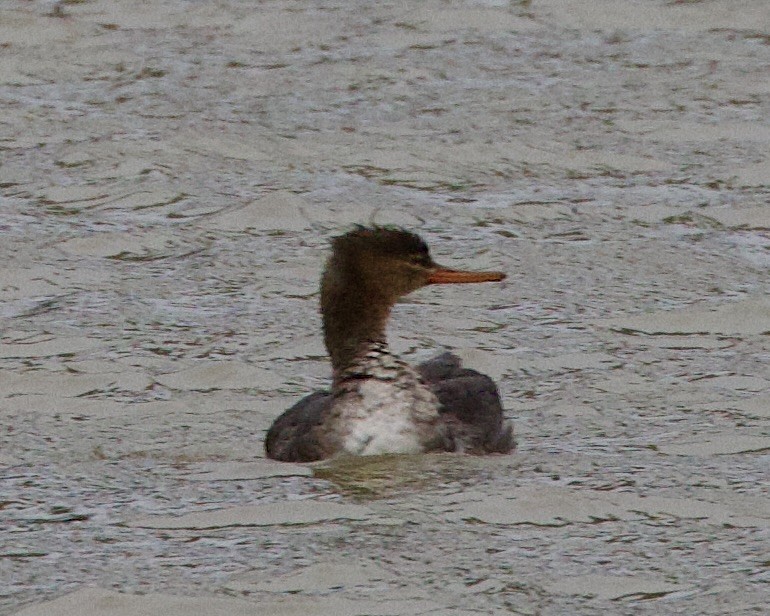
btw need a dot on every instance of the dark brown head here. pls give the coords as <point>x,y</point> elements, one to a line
<point>387,262</point>
<point>369,269</point>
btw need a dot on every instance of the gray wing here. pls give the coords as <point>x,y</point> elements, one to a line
<point>296,436</point>
<point>470,406</point>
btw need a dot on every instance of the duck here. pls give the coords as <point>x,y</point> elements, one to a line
<point>378,403</point>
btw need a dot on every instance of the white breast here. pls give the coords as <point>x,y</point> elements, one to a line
<point>382,417</point>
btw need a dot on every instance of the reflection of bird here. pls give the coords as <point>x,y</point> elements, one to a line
<point>378,403</point>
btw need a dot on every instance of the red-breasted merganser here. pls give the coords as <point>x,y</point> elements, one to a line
<point>378,403</point>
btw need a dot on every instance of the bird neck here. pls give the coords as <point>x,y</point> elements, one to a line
<point>354,316</point>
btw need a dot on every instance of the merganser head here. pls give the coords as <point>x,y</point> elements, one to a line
<point>369,269</point>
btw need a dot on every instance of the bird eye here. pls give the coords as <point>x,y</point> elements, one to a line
<point>420,258</point>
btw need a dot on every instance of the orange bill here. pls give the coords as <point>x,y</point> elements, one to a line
<point>449,276</point>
